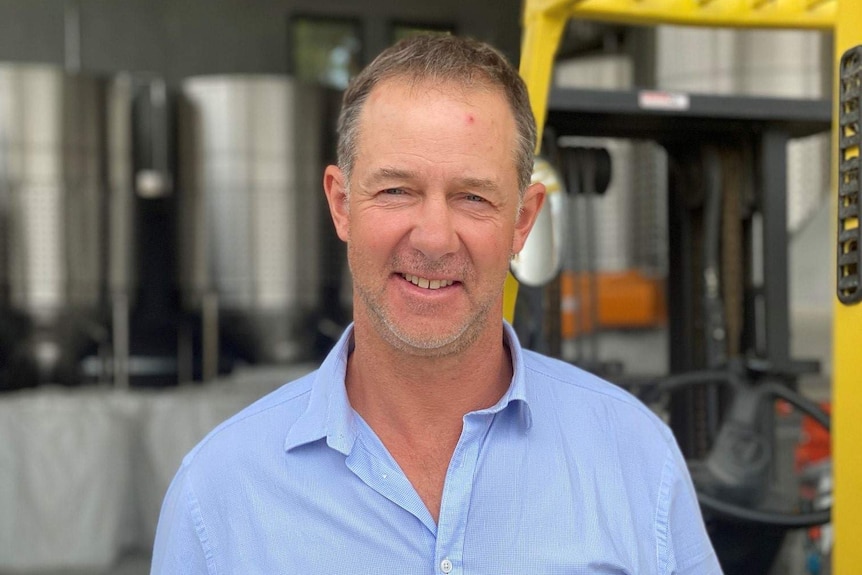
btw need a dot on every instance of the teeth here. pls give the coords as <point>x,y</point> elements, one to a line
<point>426,283</point>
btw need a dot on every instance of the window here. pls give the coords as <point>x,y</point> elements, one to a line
<point>325,51</point>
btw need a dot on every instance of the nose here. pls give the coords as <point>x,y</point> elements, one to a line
<point>434,232</point>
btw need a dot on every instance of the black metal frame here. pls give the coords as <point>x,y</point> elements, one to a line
<point>684,124</point>
<point>849,282</point>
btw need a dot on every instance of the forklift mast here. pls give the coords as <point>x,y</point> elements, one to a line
<point>544,23</point>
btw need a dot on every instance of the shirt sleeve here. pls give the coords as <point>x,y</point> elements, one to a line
<point>684,545</point>
<point>180,535</point>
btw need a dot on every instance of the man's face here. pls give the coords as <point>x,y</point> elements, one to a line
<point>432,214</point>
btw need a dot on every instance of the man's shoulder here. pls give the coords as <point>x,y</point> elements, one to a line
<point>265,421</point>
<point>579,380</point>
<point>577,391</point>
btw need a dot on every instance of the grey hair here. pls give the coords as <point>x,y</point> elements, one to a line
<point>437,57</point>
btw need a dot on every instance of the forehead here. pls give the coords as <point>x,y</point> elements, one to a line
<point>432,115</point>
<point>407,90</point>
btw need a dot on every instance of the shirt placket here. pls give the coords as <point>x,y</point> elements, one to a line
<point>377,470</point>
<point>457,494</point>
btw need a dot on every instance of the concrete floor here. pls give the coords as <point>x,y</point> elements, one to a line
<point>131,563</point>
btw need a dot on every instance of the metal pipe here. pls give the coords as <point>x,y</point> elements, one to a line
<point>121,340</point>
<point>72,36</point>
<point>210,336</point>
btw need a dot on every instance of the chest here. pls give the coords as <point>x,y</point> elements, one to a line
<point>426,471</point>
<point>505,509</point>
<point>501,538</point>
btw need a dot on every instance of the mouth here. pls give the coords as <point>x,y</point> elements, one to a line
<point>426,283</point>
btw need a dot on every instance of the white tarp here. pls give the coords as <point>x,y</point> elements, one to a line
<point>83,471</point>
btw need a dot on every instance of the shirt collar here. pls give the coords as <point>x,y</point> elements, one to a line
<point>329,414</point>
<point>518,389</point>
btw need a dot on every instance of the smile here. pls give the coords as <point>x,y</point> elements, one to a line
<point>426,283</point>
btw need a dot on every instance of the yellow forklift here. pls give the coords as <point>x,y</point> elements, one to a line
<point>544,24</point>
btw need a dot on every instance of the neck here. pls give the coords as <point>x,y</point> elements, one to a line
<point>418,396</point>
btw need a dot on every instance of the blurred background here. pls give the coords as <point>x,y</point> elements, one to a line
<point>166,256</point>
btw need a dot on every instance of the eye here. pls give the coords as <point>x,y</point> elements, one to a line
<point>474,198</point>
<point>394,191</point>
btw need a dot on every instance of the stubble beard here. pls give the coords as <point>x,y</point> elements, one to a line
<point>430,345</point>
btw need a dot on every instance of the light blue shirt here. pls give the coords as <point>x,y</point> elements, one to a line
<point>565,474</point>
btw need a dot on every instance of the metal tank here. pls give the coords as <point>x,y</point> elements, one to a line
<point>65,175</point>
<point>778,63</point>
<point>250,214</point>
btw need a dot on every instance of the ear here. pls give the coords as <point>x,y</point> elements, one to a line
<point>534,197</point>
<point>335,188</point>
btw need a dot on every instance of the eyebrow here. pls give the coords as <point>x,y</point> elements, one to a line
<point>480,184</point>
<point>386,173</point>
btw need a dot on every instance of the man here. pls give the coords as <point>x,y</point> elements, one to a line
<point>429,441</point>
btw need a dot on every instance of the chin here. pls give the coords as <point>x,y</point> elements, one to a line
<point>422,345</point>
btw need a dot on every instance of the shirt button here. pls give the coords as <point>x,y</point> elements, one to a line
<point>446,566</point>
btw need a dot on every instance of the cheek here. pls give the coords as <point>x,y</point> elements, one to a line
<point>376,236</point>
<point>492,246</point>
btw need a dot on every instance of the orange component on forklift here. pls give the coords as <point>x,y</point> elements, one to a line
<point>627,299</point>
<point>813,446</point>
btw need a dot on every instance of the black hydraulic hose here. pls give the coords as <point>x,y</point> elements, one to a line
<point>713,305</point>
<point>701,377</point>
<point>739,513</point>
<point>804,404</point>
<point>729,511</point>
